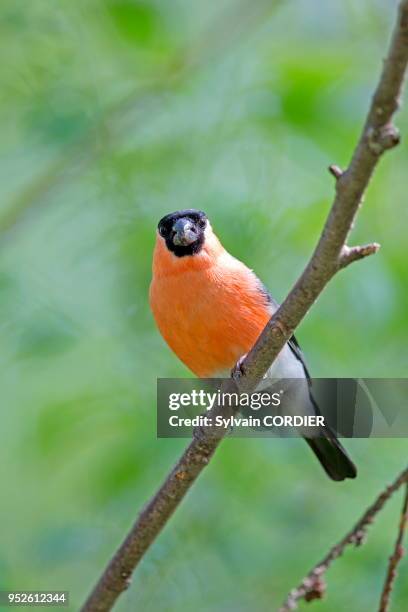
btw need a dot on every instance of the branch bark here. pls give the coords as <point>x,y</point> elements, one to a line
<point>313,585</point>
<point>396,556</point>
<point>329,257</point>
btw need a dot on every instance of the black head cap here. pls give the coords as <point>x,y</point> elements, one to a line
<point>183,231</point>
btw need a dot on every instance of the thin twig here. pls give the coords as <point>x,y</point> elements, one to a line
<point>336,171</point>
<point>350,254</point>
<point>395,558</point>
<point>313,585</point>
<point>324,264</point>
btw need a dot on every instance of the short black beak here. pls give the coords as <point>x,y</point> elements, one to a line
<point>184,232</point>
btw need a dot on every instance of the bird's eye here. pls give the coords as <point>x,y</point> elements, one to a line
<point>202,223</point>
<point>162,230</point>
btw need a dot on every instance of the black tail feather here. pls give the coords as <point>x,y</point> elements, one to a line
<point>332,456</point>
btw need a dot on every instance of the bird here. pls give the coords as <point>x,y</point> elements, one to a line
<point>210,308</point>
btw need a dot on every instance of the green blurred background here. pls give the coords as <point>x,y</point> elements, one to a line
<point>114,113</point>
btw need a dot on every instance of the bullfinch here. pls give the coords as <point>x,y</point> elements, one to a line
<point>210,309</point>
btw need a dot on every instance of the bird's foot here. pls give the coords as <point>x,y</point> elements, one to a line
<point>238,370</point>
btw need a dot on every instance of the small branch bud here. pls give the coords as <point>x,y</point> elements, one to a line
<point>385,138</point>
<point>350,254</point>
<point>336,171</point>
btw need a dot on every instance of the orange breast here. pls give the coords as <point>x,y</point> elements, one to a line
<point>209,307</point>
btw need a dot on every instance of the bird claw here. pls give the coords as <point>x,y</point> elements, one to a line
<point>238,370</point>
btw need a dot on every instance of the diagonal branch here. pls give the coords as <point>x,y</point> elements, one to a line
<point>377,136</point>
<point>313,585</point>
<point>396,556</point>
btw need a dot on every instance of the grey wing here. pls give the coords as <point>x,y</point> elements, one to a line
<point>297,351</point>
<point>292,343</point>
<point>290,364</point>
<point>329,451</point>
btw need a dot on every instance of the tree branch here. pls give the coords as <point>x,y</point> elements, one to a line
<point>395,557</point>
<point>377,136</point>
<point>313,585</point>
